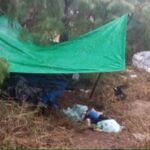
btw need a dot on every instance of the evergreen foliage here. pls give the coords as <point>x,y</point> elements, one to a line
<point>46,19</point>
<point>3,70</point>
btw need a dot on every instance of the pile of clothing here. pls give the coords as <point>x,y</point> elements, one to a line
<point>35,88</point>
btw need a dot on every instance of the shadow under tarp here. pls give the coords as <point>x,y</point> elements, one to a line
<point>35,88</point>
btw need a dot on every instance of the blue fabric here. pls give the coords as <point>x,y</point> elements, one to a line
<point>93,115</point>
<point>50,96</point>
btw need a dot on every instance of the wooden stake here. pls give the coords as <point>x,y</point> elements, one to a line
<point>95,85</point>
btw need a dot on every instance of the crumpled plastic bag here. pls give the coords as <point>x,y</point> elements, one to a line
<point>75,113</point>
<point>142,60</point>
<point>109,125</point>
<point>71,114</point>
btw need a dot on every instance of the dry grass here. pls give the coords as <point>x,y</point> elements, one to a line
<point>134,111</point>
<point>24,127</point>
<point>21,127</point>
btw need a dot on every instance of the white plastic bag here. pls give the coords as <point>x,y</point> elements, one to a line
<point>109,125</point>
<point>142,60</point>
<point>76,76</point>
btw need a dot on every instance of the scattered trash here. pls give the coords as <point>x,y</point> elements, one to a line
<point>76,112</point>
<point>141,137</point>
<point>131,73</point>
<point>142,60</point>
<point>72,114</point>
<point>133,76</point>
<point>109,125</point>
<point>129,70</point>
<point>118,91</point>
<point>124,77</point>
<point>99,122</point>
<point>85,91</point>
<point>76,76</point>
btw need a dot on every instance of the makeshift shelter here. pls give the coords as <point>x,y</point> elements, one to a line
<point>100,50</point>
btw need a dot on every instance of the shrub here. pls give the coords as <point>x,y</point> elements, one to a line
<point>3,70</point>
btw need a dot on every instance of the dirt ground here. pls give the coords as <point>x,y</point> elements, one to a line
<point>30,129</point>
<point>137,115</point>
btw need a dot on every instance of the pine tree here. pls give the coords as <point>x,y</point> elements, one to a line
<point>46,19</point>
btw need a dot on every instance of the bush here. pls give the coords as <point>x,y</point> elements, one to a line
<point>3,70</point>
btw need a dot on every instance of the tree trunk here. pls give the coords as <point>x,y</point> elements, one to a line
<point>65,36</point>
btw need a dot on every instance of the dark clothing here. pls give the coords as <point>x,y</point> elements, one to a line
<point>118,91</point>
<point>94,116</point>
<point>100,118</point>
<point>35,88</point>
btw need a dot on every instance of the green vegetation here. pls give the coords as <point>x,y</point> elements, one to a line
<point>3,70</point>
<point>46,19</point>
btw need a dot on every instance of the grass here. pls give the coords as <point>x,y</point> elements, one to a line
<point>22,126</point>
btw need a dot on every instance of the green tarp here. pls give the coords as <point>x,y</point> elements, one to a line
<point>101,50</point>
